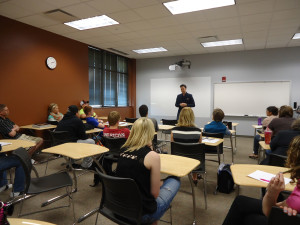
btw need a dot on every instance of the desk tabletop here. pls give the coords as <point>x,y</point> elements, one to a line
<point>235,124</point>
<point>177,165</point>
<point>165,127</point>
<point>257,126</point>
<point>240,174</point>
<point>264,145</point>
<point>15,143</point>
<point>95,130</point>
<point>50,126</point>
<point>76,150</point>
<point>220,141</point>
<point>22,221</point>
<point>102,117</point>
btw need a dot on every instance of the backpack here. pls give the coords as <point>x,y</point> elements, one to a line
<point>225,181</point>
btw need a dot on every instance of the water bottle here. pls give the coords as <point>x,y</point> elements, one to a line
<point>259,121</point>
<point>268,135</point>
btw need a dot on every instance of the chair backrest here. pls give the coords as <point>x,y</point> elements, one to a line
<point>277,160</point>
<point>278,217</point>
<point>113,144</point>
<point>213,149</point>
<point>130,120</point>
<point>25,160</point>
<point>190,150</point>
<point>121,200</point>
<point>60,137</point>
<point>169,122</point>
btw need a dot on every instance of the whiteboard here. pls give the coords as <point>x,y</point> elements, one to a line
<point>252,99</point>
<point>165,90</point>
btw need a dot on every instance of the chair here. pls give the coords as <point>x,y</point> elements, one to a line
<point>214,150</point>
<point>114,145</point>
<point>121,200</point>
<point>169,122</point>
<point>130,120</point>
<point>35,186</point>
<point>278,217</point>
<point>277,160</point>
<point>194,151</point>
<point>59,137</point>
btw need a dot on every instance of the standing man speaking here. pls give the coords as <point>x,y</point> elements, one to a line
<point>184,100</point>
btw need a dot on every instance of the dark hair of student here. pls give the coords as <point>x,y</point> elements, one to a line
<point>87,109</point>
<point>286,111</point>
<point>2,106</point>
<point>296,125</point>
<point>218,115</point>
<point>113,118</point>
<point>273,110</point>
<point>183,85</point>
<point>143,110</point>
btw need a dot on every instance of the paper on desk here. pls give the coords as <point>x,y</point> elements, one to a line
<point>4,143</point>
<point>265,177</point>
<point>211,140</point>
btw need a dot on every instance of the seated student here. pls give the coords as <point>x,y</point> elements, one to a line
<point>81,112</point>
<point>245,210</point>
<point>186,131</point>
<point>140,163</point>
<point>144,113</point>
<point>113,130</point>
<point>7,162</point>
<point>284,121</point>
<point>88,110</point>
<point>272,113</point>
<point>76,130</point>
<point>216,126</point>
<point>9,130</point>
<point>54,115</point>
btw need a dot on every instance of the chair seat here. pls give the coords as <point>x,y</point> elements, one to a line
<point>113,157</point>
<point>49,183</point>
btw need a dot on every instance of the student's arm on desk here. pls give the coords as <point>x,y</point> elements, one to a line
<point>275,186</point>
<point>14,131</point>
<point>152,162</point>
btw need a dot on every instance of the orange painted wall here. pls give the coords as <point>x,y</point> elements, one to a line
<point>27,86</point>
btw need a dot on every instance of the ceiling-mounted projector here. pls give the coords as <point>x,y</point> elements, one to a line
<point>181,64</point>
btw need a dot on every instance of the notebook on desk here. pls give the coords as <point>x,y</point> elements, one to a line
<point>41,125</point>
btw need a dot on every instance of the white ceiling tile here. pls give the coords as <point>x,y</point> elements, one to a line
<point>231,48</point>
<point>228,30</point>
<point>38,6</point>
<point>188,18</point>
<point>255,27</point>
<point>256,34</point>
<point>14,11</point>
<point>82,11</point>
<point>62,3</point>
<point>239,2</point>
<point>125,16</point>
<point>293,23</point>
<point>294,43</point>
<point>153,11</point>
<point>221,13</point>
<point>286,31</point>
<point>231,22</point>
<point>129,35</point>
<point>255,19</point>
<point>255,7</point>
<point>163,22</point>
<point>287,4</point>
<point>108,6</point>
<point>38,21</point>
<point>60,29</point>
<point>139,25</point>
<point>278,44</point>
<point>117,29</point>
<point>286,15</point>
<point>132,4</point>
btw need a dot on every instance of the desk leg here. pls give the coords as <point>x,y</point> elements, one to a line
<point>194,200</point>
<point>235,140</point>
<point>231,148</point>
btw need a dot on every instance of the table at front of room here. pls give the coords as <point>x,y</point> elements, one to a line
<point>240,174</point>
<point>180,166</point>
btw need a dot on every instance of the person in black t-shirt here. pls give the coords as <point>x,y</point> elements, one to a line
<point>184,100</point>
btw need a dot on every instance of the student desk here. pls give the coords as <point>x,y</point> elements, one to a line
<point>256,127</point>
<point>17,221</point>
<point>240,174</point>
<point>234,125</point>
<point>31,127</point>
<point>262,148</point>
<point>180,166</point>
<point>95,130</point>
<point>15,143</point>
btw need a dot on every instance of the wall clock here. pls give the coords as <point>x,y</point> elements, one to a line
<point>51,63</point>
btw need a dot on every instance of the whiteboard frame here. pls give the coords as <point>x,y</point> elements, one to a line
<point>241,82</point>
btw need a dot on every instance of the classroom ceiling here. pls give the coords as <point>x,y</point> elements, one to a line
<point>262,24</point>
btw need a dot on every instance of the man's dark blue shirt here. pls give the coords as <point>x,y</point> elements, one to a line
<point>187,98</point>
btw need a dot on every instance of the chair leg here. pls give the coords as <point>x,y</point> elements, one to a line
<point>193,195</point>
<point>205,190</point>
<point>21,205</point>
<point>171,221</point>
<point>97,218</point>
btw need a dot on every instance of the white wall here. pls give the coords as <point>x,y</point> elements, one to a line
<point>246,66</point>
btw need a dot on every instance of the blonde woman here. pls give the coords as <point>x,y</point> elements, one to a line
<point>186,130</point>
<point>54,114</point>
<point>139,162</point>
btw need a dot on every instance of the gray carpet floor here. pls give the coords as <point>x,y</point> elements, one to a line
<point>88,198</point>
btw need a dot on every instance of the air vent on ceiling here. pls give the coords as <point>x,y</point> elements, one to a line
<point>60,15</point>
<point>207,39</point>
<point>118,51</point>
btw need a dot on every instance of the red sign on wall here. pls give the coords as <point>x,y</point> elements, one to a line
<point>223,79</point>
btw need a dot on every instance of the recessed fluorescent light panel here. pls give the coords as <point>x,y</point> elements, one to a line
<point>150,50</point>
<point>185,6</point>
<point>222,43</point>
<point>296,36</point>
<point>93,22</point>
